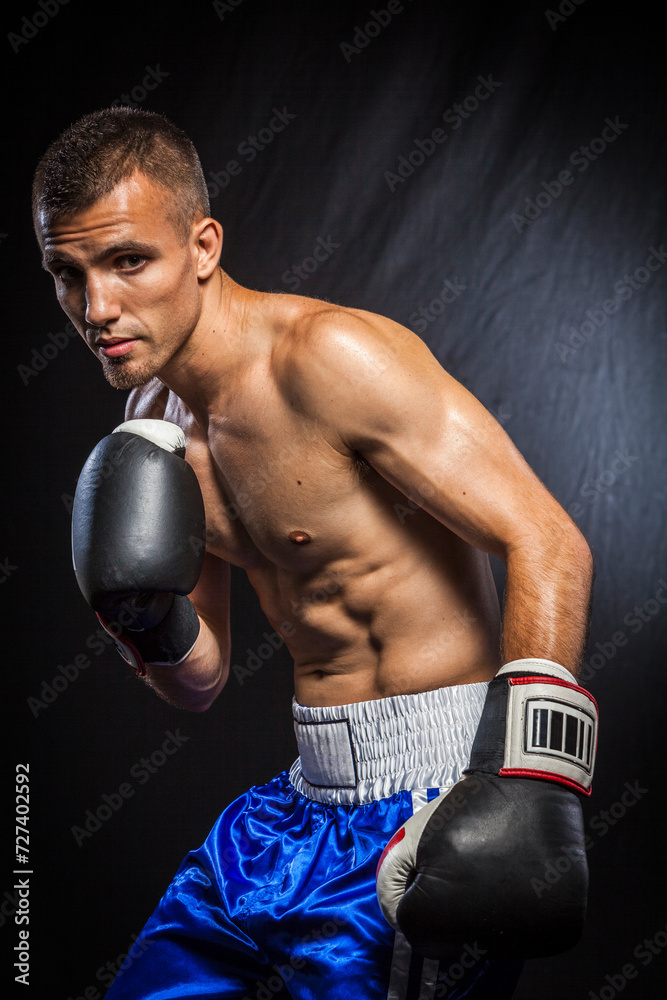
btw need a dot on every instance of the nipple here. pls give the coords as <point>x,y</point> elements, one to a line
<point>299,537</point>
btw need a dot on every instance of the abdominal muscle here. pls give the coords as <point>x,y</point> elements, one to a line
<point>415,621</point>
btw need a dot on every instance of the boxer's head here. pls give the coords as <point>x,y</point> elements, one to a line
<point>120,209</point>
<point>102,149</point>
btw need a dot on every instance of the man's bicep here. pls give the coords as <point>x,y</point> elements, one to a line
<point>446,452</point>
<point>391,401</point>
<point>211,598</point>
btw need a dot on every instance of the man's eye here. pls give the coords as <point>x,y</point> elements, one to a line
<point>67,275</point>
<point>130,261</point>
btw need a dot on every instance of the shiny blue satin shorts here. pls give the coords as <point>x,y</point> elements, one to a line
<point>280,899</point>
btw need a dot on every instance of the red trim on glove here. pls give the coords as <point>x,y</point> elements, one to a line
<point>140,669</point>
<point>552,680</point>
<point>396,839</point>
<point>524,772</point>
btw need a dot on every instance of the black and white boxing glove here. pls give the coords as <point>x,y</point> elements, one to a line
<point>138,529</point>
<point>499,860</point>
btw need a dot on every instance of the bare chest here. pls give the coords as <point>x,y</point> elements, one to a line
<point>276,491</point>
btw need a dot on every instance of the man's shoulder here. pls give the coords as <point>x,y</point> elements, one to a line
<point>300,314</point>
<point>147,402</point>
<point>321,342</point>
<point>314,331</point>
<point>320,321</point>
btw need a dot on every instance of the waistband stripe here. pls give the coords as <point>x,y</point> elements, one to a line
<point>327,753</point>
<point>370,750</point>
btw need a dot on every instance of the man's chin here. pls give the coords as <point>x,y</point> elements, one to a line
<point>122,374</point>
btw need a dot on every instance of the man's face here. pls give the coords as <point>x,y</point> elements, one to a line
<point>125,279</point>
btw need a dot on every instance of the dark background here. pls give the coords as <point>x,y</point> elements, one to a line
<point>579,388</point>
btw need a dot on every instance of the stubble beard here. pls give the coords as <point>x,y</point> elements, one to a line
<point>122,375</point>
<point>126,372</point>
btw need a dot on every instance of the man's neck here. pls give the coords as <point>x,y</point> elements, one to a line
<point>220,348</point>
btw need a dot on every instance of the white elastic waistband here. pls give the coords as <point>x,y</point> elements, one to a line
<point>372,749</point>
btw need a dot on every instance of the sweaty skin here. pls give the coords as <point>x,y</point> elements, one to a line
<point>359,486</point>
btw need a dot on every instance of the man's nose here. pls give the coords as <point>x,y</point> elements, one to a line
<point>102,305</point>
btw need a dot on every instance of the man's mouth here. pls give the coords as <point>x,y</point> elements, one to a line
<point>116,347</point>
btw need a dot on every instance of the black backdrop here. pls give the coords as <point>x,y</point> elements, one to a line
<point>521,239</point>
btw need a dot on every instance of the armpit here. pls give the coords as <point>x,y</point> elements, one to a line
<point>361,466</point>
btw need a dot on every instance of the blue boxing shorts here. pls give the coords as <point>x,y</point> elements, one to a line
<point>280,899</point>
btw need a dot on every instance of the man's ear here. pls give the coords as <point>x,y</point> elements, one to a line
<point>207,237</point>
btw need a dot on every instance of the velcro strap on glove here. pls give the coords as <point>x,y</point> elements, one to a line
<point>167,644</point>
<point>537,723</point>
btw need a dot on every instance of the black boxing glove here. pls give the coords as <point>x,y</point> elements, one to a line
<point>477,864</point>
<point>138,529</point>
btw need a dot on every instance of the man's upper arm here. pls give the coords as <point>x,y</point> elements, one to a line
<point>211,600</point>
<point>387,397</point>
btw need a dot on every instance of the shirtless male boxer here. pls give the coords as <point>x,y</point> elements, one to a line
<point>335,458</point>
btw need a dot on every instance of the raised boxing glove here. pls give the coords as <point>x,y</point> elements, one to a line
<point>499,860</point>
<point>138,529</point>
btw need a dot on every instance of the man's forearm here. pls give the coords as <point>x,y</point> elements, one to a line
<point>547,599</point>
<point>195,683</point>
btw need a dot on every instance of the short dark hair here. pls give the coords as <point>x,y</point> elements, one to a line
<point>94,154</point>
